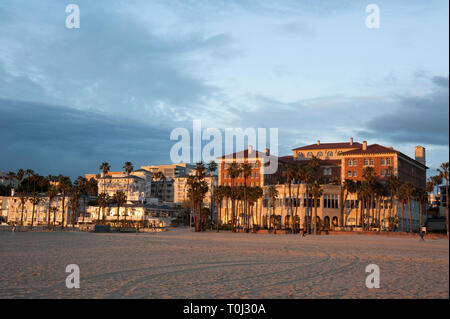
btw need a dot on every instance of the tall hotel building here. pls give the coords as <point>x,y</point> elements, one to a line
<point>345,160</point>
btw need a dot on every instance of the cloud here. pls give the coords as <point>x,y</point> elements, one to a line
<point>415,119</point>
<point>57,139</point>
<point>115,62</point>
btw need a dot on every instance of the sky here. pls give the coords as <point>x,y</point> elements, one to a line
<point>114,89</point>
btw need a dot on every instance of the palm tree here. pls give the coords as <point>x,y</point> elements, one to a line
<point>82,186</point>
<point>128,168</point>
<point>197,189</point>
<point>349,187</point>
<point>381,192</point>
<point>227,196</point>
<point>421,195</point>
<point>74,204</point>
<point>394,191</point>
<point>362,194</point>
<point>443,174</point>
<point>64,187</point>
<point>11,177</point>
<point>218,196</point>
<point>408,190</point>
<point>289,174</point>
<point>300,175</point>
<point>23,199</point>
<point>29,173</point>
<point>105,168</point>
<point>246,170</point>
<point>34,199</point>
<point>403,200</point>
<point>119,198</point>
<point>51,194</point>
<point>103,202</point>
<point>212,166</point>
<point>233,171</point>
<point>272,193</point>
<point>159,176</point>
<point>370,178</point>
<point>19,176</point>
<point>316,192</point>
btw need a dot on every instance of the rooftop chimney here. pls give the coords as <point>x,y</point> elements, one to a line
<point>351,140</point>
<point>250,149</point>
<point>318,142</point>
<point>364,146</point>
<point>420,154</point>
<point>267,152</point>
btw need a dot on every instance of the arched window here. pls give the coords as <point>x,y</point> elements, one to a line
<point>320,154</point>
<point>309,155</point>
<point>300,156</point>
<point>330,154</point>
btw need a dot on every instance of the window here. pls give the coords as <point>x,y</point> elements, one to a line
<point>355,174</point>
<point>371,161</point>
<point>330,154</point>
<point>388,172</point>
<point>382,161</point>
<point>355,162</point>
<point>300,156</point>
<point>349,174</point>
<point>320,154</point>
<point>309,155</point>
<point>349,162</point>
<point>382,172</point>
<point>388,161</point>
<point>366,162</point>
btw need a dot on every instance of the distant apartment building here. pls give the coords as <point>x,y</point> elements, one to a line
<point>163,190</point>
<point>181,189</point>
<point>18,212</point>
<point>172,170</point>
<point>137,185</point>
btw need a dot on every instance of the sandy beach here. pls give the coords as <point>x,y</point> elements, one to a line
<point>182,264</point>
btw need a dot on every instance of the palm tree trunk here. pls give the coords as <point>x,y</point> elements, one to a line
<point>402,214</point>
<point>32,217</point>
<point>410,217</point>
<point>21,216</point>
<point>62,217</point>
<point>315,216</point>
<point>48,213</point>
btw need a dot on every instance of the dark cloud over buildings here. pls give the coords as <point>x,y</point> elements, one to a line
<point>54,139</point>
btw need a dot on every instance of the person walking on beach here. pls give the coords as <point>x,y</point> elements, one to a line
<point>421,235</point>
<point>303,232</point>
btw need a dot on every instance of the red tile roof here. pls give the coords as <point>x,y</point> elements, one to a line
<point>328,146</point>
<point>372,149</point>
